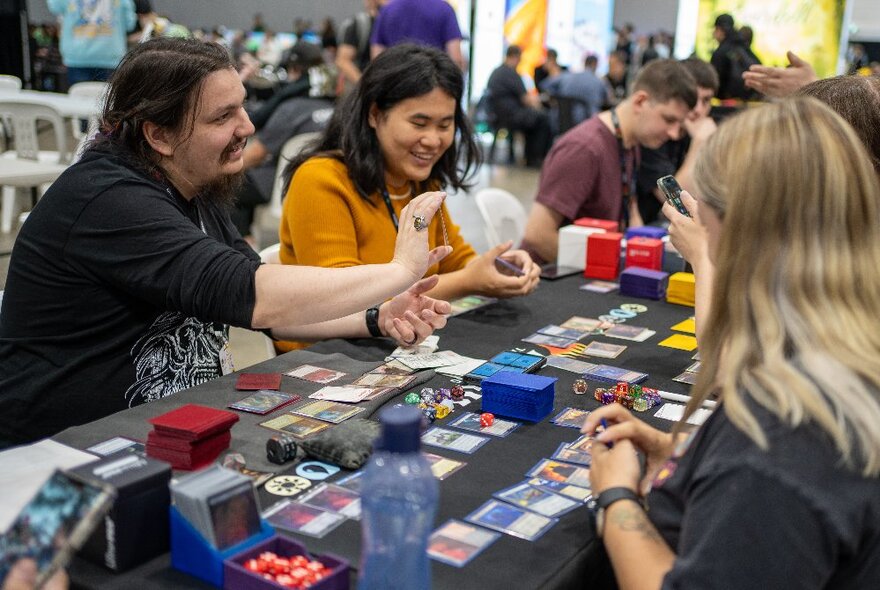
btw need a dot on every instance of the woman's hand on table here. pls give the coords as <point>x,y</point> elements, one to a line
<point>412,316</point>
<point>495,279</point>
<point>619,466</point>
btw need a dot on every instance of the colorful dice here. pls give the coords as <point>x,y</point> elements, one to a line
<point>486,419</point>
<point>579,387</point>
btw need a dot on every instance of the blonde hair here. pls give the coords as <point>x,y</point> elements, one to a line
<point>793,320</point>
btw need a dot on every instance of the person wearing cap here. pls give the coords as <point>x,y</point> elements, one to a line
<point>304,105</point>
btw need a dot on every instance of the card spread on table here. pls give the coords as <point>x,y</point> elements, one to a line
<point>255,381</point>
<point>302,519</point>
<point>583,444</point>
<point>600,286</point>
<point>471,421</point>
<point>115,445</point>
<point>264,401</point>
<point>469,303</point>
<point>349,395</point>
<point>569,364</point>
<point>315,374</point>
<point>627,332</point>
<point>334,498</point>
<point>604,350</point>
<point>578,493</point>
<point>537,500</point>
<point>566,453</point>
<point>327,411</point>
<point>689,325</point>
<point>432,360</point>
<point>392,367</point>
<point>559,331</point>
<point>611,374</point>
<point>456,542</point>
<point>511,520</point>
<point>582,324</point>
<point>675,412</point>
<point>544,339</point>
<point>453,440</point>
<point>681,342</point>
<point>443,467</point>
<point>694,368</point>
<point>571,418</point>
<point>553,470</point>
<point>686,377</point>
<point>380,380</point>
<point>298,426</point>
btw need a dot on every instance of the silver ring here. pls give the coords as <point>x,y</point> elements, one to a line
<point>419,222</point>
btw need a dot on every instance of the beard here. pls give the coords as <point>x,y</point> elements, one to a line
<point>223,191</point>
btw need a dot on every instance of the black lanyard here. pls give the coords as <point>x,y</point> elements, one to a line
<point>390,207</point>
<point>628,181</point>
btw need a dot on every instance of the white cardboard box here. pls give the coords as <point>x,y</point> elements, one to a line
<point>573,245</point>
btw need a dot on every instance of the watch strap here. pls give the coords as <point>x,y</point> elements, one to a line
<point>372,317</point>
<point>612,495</point>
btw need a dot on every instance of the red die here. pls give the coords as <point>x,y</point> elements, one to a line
<point>487,419</point>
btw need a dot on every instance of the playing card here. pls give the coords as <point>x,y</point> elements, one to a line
<point>443,467</point>
<point>600,287</point>
<point>298,426</point>
<point>627,332</point>
<point>569,364</point>
<point>603,350</point>
<point>315,374</point>
<point>559,331</point>
<point>469,303</point>
<point>511,520</point>
<point>327,411</point>
<point>380,380</point>
<point>457,543</point>
<point>554,470</point>
<point>264,401</point>
<point>613,374</point>
<point>334,498</point>
<point>255,381</point>
<point>302,519</point>
<point>565,453</point>
<point>350,395</point>
<point>686,377</point>
<point>537,500</point>
<point>588,325</point>
<point>571,418</point>
<point>543,339</point>
<point>568,490</point>
<point>453,440</point>
<point>471,421</point>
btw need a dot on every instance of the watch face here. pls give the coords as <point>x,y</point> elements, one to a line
<point>287,485</point>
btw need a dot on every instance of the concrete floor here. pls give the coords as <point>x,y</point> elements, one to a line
<point>250,347</point>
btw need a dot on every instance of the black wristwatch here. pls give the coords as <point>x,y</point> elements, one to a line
<point>609,497</point>
<point>372,316</point>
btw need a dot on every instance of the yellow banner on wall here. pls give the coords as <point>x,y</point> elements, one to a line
<point>810,28</point>
<point>525,25</point>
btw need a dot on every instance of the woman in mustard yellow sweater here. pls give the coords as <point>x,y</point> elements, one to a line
<point>401,132</point>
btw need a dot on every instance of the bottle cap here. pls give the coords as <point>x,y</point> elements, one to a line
<point>401,429</point>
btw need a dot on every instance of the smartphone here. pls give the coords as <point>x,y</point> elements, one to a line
<point>506,267</point>
<point>54,524</point>
<point>670,187</point>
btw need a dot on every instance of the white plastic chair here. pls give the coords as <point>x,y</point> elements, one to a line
<point>10,83</point>
<point>271,212</point>
<point>271,255</point>
<point>38,167</point>
<point>504,217</point>
<point>95,90</point>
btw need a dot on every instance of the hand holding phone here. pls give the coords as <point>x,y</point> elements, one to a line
<point>670,187</point>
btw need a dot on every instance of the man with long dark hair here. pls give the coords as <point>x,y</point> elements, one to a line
<point>126,275</point>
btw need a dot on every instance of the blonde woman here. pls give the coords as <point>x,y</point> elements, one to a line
<point>780,488</point>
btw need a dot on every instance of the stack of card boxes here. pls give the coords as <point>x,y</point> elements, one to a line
<point>191,436</point>
<point>681,289</point>
<point>603,255</point>
<point>572,251</point>
<point>644,253</point>
<point>135,529</point>
<point>518,395</point>
<point>643,282</point>
<point>646,231</point>
<point>608,225</point>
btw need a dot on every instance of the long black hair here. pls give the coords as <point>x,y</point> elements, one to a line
<point>399,73</point>
<point>158,81</point>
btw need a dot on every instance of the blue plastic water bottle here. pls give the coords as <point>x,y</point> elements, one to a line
<point>399,500</point>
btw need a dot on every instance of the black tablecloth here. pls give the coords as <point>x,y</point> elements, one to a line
<point>565,557</point>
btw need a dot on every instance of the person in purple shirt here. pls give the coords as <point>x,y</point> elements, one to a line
<point>425,22</point>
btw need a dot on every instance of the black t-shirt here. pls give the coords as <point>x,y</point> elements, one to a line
<point>357,34</point>
<point>506,90</point>
<point>788,517</point>
<point>119,293</point>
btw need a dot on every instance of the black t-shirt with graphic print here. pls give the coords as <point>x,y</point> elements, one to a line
<point>119,293</point>
<point>789,517</point>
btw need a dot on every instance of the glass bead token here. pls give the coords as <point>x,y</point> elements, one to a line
<point>611,318</point>
<point>622,313</point>
<point>634,307</point>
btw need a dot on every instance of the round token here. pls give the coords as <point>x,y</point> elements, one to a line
<point>611,318</point>
<point>635,307</point>
<point>622,313</point>
<point>287,485</point>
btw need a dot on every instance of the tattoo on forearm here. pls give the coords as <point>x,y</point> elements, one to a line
<point>635,520</point>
